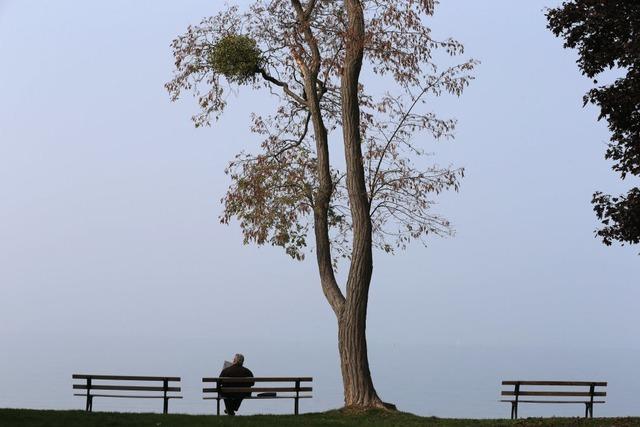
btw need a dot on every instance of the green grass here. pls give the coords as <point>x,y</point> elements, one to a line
<point>33,418</point>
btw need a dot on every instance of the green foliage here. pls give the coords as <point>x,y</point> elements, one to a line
<point>605,34</point>
<point>620,216</point>
<point>236,57</point>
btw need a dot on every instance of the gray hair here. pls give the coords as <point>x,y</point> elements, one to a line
<point>238,359</point>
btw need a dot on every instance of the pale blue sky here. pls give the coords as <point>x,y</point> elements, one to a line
<point>112,259</point>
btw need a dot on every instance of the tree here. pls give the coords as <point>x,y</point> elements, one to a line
<point>309,55</point>
<point>607,36</point>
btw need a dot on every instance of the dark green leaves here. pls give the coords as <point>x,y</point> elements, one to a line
<point>236,57</point>
<point>606,35</point>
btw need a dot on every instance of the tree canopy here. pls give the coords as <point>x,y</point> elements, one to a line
<point>273,192</point>
<point>606,34</point>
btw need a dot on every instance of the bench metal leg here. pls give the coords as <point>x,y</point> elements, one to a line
<point>514,408</point>
<point>588,410</point>
<point>295,410</point>
<point>165,386</point>
<point>89,396</point>
<point>218,406</point>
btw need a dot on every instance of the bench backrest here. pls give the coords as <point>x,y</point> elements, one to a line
<point>159,386</point>
<point>563,389</point>
<point>294,385</point>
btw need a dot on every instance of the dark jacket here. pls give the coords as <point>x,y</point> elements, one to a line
<point>236,371</point>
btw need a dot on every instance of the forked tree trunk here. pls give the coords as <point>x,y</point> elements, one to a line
<point>359,391</point>
<point>351,311</point>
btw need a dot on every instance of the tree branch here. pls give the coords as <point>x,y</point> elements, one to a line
<point>397,129</point>
<point>284,86</point>
<point>298,141</point>
<point>310,72</point>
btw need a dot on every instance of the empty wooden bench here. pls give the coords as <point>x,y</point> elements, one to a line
<point>294,390</point>
<point>538,391</point>
<point>128,386</point>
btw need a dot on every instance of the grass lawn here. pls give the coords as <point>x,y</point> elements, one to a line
<point>24,417</point>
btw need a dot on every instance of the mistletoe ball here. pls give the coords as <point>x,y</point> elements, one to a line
<point>236,57</point>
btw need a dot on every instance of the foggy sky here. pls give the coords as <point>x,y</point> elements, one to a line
<point>112,258</point>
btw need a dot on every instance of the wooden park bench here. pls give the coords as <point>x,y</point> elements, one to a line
<point>545,389</point>
<point>290,391</point>
<point>128,386</point>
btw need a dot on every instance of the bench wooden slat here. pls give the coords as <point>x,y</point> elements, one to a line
<point>122,377</point>
<point>129,396</point>
<point>256,379</point>
<point>554,401</point>
<point>266,397</point>
<point>257,389</point>
<point>558,383</point>
<point>123,387</point>
<point>554,393</point>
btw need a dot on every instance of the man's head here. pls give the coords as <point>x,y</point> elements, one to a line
<point>238,359</point>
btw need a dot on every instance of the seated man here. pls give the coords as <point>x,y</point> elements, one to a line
<point>232,400</point>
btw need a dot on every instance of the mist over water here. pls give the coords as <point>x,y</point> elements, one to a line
<point>446,381</point>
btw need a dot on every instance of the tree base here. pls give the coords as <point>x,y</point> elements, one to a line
<point>358,409</point>
<point>389,406</point>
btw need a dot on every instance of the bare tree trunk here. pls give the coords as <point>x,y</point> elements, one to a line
<point>359,391</point>
<point>351,311</point>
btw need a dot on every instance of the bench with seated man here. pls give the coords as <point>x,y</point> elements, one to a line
<point>235,384</point>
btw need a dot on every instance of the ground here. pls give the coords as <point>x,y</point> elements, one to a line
<point>33,418</point>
